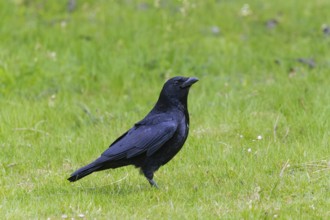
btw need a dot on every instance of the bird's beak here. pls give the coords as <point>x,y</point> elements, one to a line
<point>189,82</point>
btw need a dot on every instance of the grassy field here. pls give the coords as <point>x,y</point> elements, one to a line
<point>74,77</point>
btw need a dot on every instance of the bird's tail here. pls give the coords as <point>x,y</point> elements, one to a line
<point>84,171</point>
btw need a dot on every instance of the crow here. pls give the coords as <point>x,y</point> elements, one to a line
<point>153,141</point>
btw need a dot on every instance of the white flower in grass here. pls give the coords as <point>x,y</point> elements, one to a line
<point>52,55</point>
<point>249,150</point>
<point>63,24</point>
<point>259,137</point>
<point>245,10</point>
<point>215,30</point>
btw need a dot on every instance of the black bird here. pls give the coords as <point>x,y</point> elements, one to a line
<point>153,141</point>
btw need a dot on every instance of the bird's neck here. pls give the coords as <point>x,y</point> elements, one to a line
<point>165,104</point>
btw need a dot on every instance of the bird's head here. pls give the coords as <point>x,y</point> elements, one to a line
<point>176,90</point>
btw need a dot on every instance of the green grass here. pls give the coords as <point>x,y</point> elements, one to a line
<point>70,83</point>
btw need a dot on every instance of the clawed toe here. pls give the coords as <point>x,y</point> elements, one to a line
<point>153,183</point>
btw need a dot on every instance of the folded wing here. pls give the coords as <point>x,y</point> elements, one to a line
<point>142,138</point>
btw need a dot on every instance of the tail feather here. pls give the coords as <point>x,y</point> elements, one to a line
<point>84,171</point>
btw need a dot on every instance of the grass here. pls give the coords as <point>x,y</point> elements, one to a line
<point>71,82</point>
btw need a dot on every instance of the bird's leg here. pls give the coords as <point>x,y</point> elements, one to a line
<point>150,177</point>
<point>153,183</point>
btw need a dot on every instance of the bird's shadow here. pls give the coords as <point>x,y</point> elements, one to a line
<point>66,189</point>
<point>116,189</point>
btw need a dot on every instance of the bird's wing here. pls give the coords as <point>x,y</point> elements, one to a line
<point>140,139</point>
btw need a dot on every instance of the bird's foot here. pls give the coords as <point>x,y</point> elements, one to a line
<point>153,183</point>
